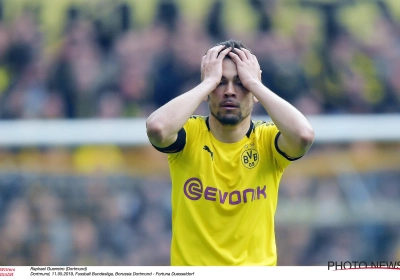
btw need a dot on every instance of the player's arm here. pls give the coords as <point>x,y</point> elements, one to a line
<point>297,134</point>
<point>164,124</point>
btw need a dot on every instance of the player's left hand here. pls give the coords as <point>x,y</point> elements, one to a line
<point>247,66</point>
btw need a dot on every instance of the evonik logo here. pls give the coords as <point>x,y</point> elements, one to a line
<point>193,189</point>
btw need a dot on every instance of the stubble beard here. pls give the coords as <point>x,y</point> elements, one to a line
<point>228,119</point>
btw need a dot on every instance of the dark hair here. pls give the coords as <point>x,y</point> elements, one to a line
<point>233,44</point>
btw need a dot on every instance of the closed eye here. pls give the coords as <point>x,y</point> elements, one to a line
<point>239,83</point>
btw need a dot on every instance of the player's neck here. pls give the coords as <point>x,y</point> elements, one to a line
<point>229,133</point>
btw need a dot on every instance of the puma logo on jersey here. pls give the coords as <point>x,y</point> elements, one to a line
<point>208,150</point>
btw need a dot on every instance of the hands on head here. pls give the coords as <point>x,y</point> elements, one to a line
<point>211,63</point>
<point>247,64</point>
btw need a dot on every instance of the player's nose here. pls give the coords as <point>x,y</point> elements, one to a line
<point>230,90</point>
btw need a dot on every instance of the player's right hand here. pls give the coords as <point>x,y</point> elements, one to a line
<point>211,64</point>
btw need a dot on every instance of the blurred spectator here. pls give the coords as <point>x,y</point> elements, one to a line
<point>321,63</point>
<point>110,105</point>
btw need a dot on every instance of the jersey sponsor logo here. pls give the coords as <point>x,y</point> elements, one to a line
<point>194,190</point>
<point>250,157</point>
<point>206,148</point>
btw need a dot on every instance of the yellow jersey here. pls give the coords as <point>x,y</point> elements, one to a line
<point>224,195</point>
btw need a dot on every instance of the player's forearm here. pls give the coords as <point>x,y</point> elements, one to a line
<point>297,132</point>
<point>164,123</point>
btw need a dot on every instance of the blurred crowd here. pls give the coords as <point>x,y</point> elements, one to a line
<point>102,61</point>
<point>83,220</point>
<point>120,220</point>
<point>103,64</point>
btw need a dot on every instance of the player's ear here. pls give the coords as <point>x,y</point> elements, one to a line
<point>207,98</point>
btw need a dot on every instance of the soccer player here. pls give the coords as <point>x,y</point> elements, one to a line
<point>226,168</point>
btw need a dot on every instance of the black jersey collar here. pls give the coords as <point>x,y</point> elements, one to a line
<point>248,133</point>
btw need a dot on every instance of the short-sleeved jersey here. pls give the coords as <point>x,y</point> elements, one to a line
<point>224,196</point>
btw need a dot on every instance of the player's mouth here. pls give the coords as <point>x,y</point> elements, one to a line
<point>229,105</point>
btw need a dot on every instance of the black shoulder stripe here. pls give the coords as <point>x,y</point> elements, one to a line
<point>250,129</point>
<point>281,152</point>
<point>177,146</point>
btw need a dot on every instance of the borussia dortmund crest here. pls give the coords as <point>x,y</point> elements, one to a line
<point>250,158</point>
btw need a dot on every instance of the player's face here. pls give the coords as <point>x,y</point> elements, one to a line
<point>230,102</point>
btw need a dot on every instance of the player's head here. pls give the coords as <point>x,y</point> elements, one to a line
<point>230,103</point>
<point>232,44</point>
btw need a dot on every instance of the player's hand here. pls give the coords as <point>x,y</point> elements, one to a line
<point>247,66</point>
<point>211,64</point>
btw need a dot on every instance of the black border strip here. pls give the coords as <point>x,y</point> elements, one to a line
<point>175,147</point>
<point>282,153</point>
<point>250,129</point>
